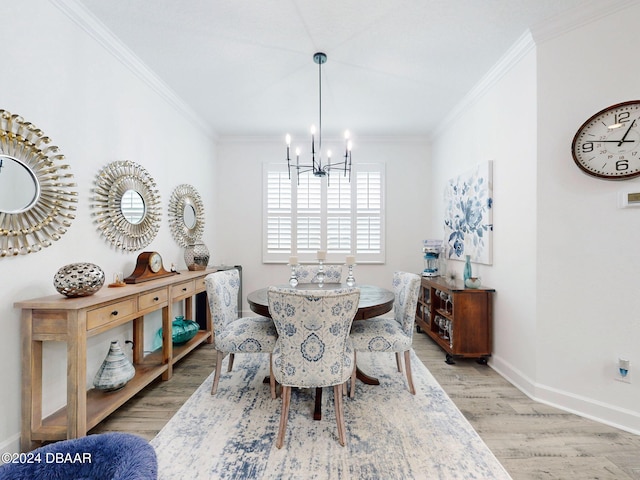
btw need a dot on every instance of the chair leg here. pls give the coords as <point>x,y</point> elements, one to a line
<point>399,362</point>
<point>231,358</point>
<point>337,399</point>
<point>272,379</point>
<point>352,393</point>
<point>216,376</point>
<point>284,415</point>
<point>407,361</point>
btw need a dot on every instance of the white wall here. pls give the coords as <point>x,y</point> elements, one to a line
<point>565,258</point>
<point>239,237</point>
<point>588,249</point>
<point>499,126</point>
<point>97,111</point>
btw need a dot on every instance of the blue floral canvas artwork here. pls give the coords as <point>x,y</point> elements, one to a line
<point>468,222</point>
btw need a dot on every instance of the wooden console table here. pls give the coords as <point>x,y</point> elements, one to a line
<point>73,320</point>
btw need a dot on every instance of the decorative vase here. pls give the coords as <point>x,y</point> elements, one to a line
<point>467,268</point>
<point>79,279</point>
<point>196,256</point>
<point>183,330</point>
<point>116,370</point>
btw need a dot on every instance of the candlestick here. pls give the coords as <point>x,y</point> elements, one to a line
<point>293,260</point>
<point>351,260</point>
<point>322,255</point>
<point>351,281</point>
<point>293,279</point>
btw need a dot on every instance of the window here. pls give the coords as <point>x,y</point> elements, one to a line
<point>302,216</point>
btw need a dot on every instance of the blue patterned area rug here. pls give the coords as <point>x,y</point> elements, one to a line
<point>391,434</point>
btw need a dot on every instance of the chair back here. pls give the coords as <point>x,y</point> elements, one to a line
<point>406,289</point>
<point>222,294</point>
<point>313,347</point>
<point>309,273</point>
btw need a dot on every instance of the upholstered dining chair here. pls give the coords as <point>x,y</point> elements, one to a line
<point>233,334</point>
<point>386,334</point>
<point>313,349</point>
<point>309,273</point>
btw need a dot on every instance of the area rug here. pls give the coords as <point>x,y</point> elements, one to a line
<point>391,434</point>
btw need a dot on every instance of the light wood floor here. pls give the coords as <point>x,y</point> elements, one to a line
<point>531,440</point>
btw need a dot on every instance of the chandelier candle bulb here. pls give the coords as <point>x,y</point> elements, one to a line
<point>322,255</point>
<point>351,260</point>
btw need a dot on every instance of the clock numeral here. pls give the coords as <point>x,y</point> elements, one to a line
<point>587,147</point>
<point>622,117</point>
<point>622,165</point>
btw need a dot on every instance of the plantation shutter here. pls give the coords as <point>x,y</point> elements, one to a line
<point>306,214</point>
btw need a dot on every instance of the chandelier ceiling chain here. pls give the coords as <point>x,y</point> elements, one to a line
<point>317,167</point>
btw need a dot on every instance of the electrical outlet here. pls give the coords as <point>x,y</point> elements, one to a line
<point>624,371</point>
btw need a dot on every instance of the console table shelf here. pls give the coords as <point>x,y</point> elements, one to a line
<point>458,319</point>
<point>73,320</point>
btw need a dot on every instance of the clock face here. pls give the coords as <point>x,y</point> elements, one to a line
<point>155,262</point>
<point>608,144</point>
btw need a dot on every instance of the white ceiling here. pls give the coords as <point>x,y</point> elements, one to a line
<point>394,67</point>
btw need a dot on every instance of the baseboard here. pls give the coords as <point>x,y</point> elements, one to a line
<point>611,415</point>
<point>11,445</point>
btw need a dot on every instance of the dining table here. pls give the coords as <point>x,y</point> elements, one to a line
<point>374,301</point>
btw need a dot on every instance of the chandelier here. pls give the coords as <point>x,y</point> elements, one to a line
<point>317,166</point>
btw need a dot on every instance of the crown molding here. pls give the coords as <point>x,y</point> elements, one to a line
<point>82,17</point>
<point>588,12</point>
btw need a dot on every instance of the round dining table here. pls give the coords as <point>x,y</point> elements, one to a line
<point>374,301</point>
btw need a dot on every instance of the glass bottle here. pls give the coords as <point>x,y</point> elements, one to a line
<point>467,267</point>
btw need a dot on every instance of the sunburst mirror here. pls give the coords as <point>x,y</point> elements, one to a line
<point>186,215</point>
<point>37,200</point>
<point>127,205</point>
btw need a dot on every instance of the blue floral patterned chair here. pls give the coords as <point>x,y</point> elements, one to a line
<point>309,273</point>
<point>233,334</point>
<point>104,456</point>
<point>313,349</point>
<point>382,334</point>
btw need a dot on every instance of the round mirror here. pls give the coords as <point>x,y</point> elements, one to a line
<point>19,187</point>
<point>127,205</point>
<point>37,195</point>
<point>132,207</point>
<point>186,215</point>
<point>189,216</point>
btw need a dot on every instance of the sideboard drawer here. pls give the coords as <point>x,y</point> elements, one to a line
<point>182,290</point>
<point>115,311</point>
<point>201,286</point>
<point>157,297</point>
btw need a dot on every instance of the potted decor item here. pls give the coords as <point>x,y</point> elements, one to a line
<point>196,256</point>
<point>116,370</point>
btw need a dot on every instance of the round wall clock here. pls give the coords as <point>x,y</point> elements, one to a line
<point>607,145</point>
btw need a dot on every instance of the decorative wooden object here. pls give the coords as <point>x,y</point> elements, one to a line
<point>467,312</point>
<point>148,267</point>
<point>73,320</point>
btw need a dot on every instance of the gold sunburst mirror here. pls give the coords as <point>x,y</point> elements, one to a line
<point>127,205</point>
<point>186,215</point>
<point>37,200</point>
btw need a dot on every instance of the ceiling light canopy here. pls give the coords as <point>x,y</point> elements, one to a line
<point>317,167</point>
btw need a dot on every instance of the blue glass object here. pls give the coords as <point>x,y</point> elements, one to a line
<point>467,268</point>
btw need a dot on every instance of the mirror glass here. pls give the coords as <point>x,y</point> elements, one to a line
<point>189,216</point>
<point>19,188</point>
<point>132,207</point>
